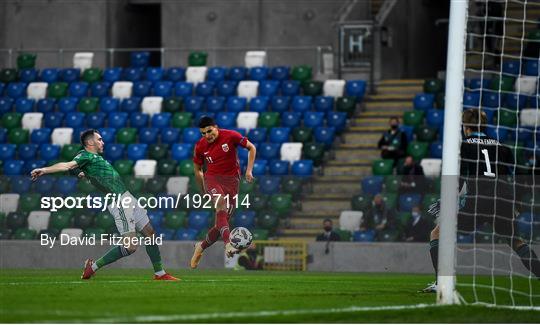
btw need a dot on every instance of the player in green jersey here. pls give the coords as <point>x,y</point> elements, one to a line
<point>128,220</point>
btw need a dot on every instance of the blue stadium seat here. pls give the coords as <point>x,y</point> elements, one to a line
<point>198,116</point>
<point>40,136</point>
<point>516,101</point>
<point>112,74</point>
<point>291,119</point>
<point>24,105</point>
<point>269,184</point>
<point>2,87</point>
<point>408,201</point>
<point>3,135</point>
<point>100,89</point>
<point>290,88</point>
<point>524,134</point>
<point>463,238</point>
<point>423,101</point>
<point>279,73</point>
<point>76,136</point>
<point>137,151</point>
<point>182,151</point>
<point>78,89</point>
<point>163,88</point>
<point>117,120</point>
<point>20,184</point>
<point>279,134</point>
<point>53,120</point>
<point>44,184</point>
<point>132,74</point>
<point>49,75</point>
<point>130,105</point>
<point>302,167</point>
<point>66,185</point>
<point>114,151</point>
<point>324,103</point>
<point>27,75</point>
<point>166,234</point>
<point>215,104</point>
<point>534,102</point>
<point>364,236</point>
<point>435,150</point>
<point>175,74</point>
<point>372,184</point>
<point>337,120</point>
<point>138,120</point>
<point>478,84</point>
<point>257,135</point>
<point>244,219</point>
<point>236,104</point>
<point>107,134</point>
<point>156,217</point>
<point>49,152</point>
<point>16,89</point>
<point>259,104</point>
<point>199,219</point>
<point>186,234</point>
<point>242,131</point>
<point>226,88</point>
<point>6,105</point>
<point>511,67</point>
<point>141,88</point>
<point>435,118</point>
<point>278,167</point>
<point>492,99</point>
<point>269,150</point>
<point>193,104</point>
<point>161,120</point>
<point>216,74</point>
<point>471,99</point>
<point>268,88</point>
<point>46,105</point>
<point>526,224</point>
<point>301,103</point>
<point>280,103</point>
<point>408,130</point>
<point>148,135</point>
<point>70,75</point>
<point>325,135</point>
<point>313,119</point>
<point>531,68</point>
<point>7,151</point>
<point>355,88</point>
<point>191,135</point>
<point>243,153</point>
<point>74,120</point>
<point>205,89</point>
<point>498,133</point>
<point>154,74</point>
<point>170,135</point>
<point>226,120</point>
<point>109,104</point>
<point>260,167</point>
<point>139,59</point>
<point>68,104</point>
<point>237,73</point>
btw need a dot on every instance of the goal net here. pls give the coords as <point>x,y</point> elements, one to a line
<point>500,77</point>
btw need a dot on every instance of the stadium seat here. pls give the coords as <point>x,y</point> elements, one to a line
<point>269,184</point>
<point>124,167</point>
<point>503,83</point>
<point>154,74</point>
<point>312,88</point>
<point>433,86</point>
<point>3,135</point>
<point>24,105</point>
<point>382,167</point>
<point>74,120</point>
<point>100,89</point>
<point>313,119</point>
<point>302,168</point>
<point>324,103</point>
<point>177,185</point>
<point>435,150</point>
<point>196,74</point>
<point>191,135</point>
<point>507,118</point>
<point>186,234</point>
<point>161,120</point>
<point>44,184</point>
<point>36,90</point>
<point>169,135</point>
<point>50,75</point>
<point>172,105</point>
<point>181,120</point>
<point>258,73</point>
<point>278,167</point>
<point>259,104</point>
<point>181,151</point>
<point>226,120</point>
<point>117,120</point>
<point>280,73</point>
<point>227,88</point>
<point>347,105</point>
<point>290,88</point>
<point>145,168</point>
<point>132,74</point>
<point>70,75</point>
<point>78,89</point>
<point>103,220</point>
<point>408,201</point>
<point>301,73</point>
<point>301,103</point>
<point>199,219</point>
<point>175,219</point>
<point>193,104</point>
<point>361,202</point>
<point>166,167</point>
<point>291,151</point>
<point>244,219</point>
<point>426,133</point>
<point>68,104</point>
<point>418,150</point>
<point>325,135</point>
<point>22,184</point>
<point>526,85</point>
<point>257,135</point>
<point>15,90</point>
<point>281,204</point>
<point>236,104</point>
<point>88,105</point>
<point>364,236</point>
<point>126,135</point>
<point>66,185</point>
<point>511,67</point>
<point>260,167</point>
<point>215,104</point>
<point>61,136</point>
<point>151,105</point>
<point>432,167</point>
<point>112,75</point>
<point>8,75</point>
<point>185,167</point>
<point>355,88</point>
<point>108,134</point>
<point>158,151</point>
<point>424,102</point>
<point>279,134</point>
<point>137,151</point>
<point>183,89</point>
<point>122,89</point>
<point>530,117</point>
<point>247,120</point>
<point>114,151</point>
<point>7,151</point>
<point>531,67</point>
<point>255,59</point>
<point>372,185</point>
<point>266,220</point>
<point>175,74</point>
<point>32,121</point>
<point>280,103</point>
<point>268,88</point>
<point>6,104</point>
<point>337,120</point>
<point>290,119</point>
<point>26,61</point>
<point>18,136</point>
<point>268,119</point>
<point>41,135</point>
<point>516,101</point>
<point>334,88</point>
<point>83,60</point>
<point>9,203</point>
<point>46,105</point>
<point>109,104</point>
<point>350,220</point>
<point>216,74</point>
<point>56,90</point>
<point>38,220</point>
<point>435,118</point>
<point>95,120</point>
<point>205,89</point>
<point>247,89</point>
<point>27,151</point>
<point>479,84</point>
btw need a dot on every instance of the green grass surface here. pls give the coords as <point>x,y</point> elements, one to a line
<point>116,296</point>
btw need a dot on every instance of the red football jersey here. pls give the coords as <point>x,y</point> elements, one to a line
<point>220,156</point>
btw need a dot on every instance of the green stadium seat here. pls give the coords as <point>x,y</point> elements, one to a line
<point>24,234</point>
<point>11,120</point>
<point>5,234</point>
<point>392,183</point>
<point>175,219</point>
<point>433,86</point>
<point>281,203</point>
<point>403,219</point>
<point>312,88</point>
<point>182,120</point>
<point>302,134</point>
<point>172,105</point>
<point>57,90</point>
<point>268,120</point>
<point>292,185</point>
<point>53,233</point>
<point>2,218</point>
<point>413,118</point>
<point>260,234</point>
<point>134,184</point>
<point>301,73</point>
<point>425,133</point>
<point>390,200</point>
<point>418,150</point>
<point>344,235</point>
<point>534,35</point>
<point>26,61</point>
<point>126,135</point>
<point>124,167</point>
<point>185,168</point>
<point>267,220</point>
<point>361,202</point>
<point>313,151</point>
<point>85,187</point>
<point>507,118</point>
<point>201,235</point>
<point>505,83</point>
<point>69,151</point>
<point>8,75</point>
<point>16,220</point>
<point>104,220</point>
<point>92,75</point>
<point>166,167</point>
<point>18,136</point>
<point>197,59</point>
<point>258,202</point>
<point>158,151</point>
<point>156,184</point>
<point>247,187</point>
<point>388,235</point>
<point>83,219</point>
<point>30,202</point>
<point>61,219</point>
<point>382,167</point>
<point>346,104</point>
<point>94,232</point>
<point>88,105</point>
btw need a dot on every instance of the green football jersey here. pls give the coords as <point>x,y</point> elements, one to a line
<point>100,172</point>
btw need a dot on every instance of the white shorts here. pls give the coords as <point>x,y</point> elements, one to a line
<point>130,219</point>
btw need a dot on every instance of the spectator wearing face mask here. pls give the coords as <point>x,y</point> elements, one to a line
<point>418,228</point>
<point>328,234</point>
<point>393,143</point>
<point>378,217</point>
<point>412,180</point>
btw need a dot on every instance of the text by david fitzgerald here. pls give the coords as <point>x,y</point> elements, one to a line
<point>103,239</point>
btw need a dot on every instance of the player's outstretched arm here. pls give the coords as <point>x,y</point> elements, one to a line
<point>251,161</point>
<point>56,168</point>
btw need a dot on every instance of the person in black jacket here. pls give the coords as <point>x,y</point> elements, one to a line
<point>393,142</point>
<point>413,179</point>
<point>328,234</point>
<point>418,228</point>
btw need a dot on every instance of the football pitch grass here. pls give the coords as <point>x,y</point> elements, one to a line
<point>120,296</point>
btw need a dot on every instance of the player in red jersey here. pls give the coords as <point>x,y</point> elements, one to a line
<point>221,179</point>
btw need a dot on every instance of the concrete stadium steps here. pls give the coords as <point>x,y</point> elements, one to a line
<point>343,154</point>
<point>336,187</point>
<point>347,170</point>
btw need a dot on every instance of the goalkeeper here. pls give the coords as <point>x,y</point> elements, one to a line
<point>486,194</point>
<point>106,179</point>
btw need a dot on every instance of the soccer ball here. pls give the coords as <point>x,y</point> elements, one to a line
<point>240,238</point>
